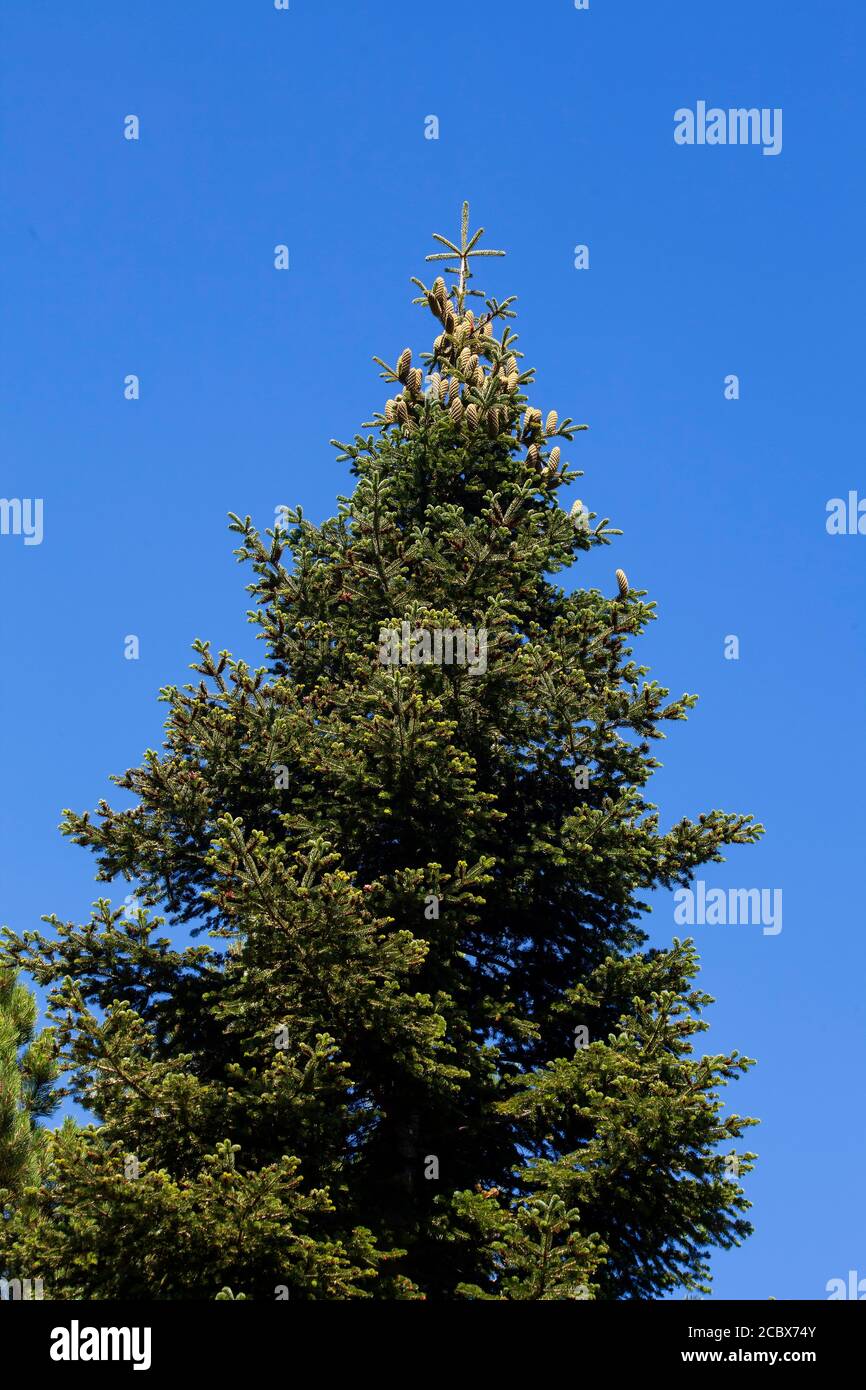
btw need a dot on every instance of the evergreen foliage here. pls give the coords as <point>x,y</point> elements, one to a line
<point>27,1072</point>
<point>419,1046</point>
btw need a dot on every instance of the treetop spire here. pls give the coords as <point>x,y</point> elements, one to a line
<point>468,247</point>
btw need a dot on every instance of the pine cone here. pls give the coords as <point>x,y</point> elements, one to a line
<point>550,425</point>
<point>622,581</point>
<point>389,411</point>
<point>404,362</point>
<point>513,381</point>
<point>471,416</point>
<point>463,359</point>
<point>416,377</point>
<point>456,410</point>
<point>532,455</point>
<point>402,411</point>
<point>493,422</point>
<point>554,457</point>
<point>450,321</point>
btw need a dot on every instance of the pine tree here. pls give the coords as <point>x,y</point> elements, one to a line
<point>27,1071</point>
<point>425,1051</point>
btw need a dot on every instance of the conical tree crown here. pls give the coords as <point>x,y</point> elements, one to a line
<point>419,841</point>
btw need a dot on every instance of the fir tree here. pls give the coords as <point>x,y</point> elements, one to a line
<point>424,1051</point>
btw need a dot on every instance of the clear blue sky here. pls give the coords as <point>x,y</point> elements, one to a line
<point>155,257</point>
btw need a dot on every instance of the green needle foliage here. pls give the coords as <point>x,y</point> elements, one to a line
<point>27,1072</point>
<point>420,1049</point>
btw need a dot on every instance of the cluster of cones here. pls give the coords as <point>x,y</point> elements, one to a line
<point>476,398</point>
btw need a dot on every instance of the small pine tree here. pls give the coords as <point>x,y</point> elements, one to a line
<point>424,1051</point>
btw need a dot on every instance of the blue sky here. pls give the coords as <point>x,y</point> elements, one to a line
<point>306,127</point>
